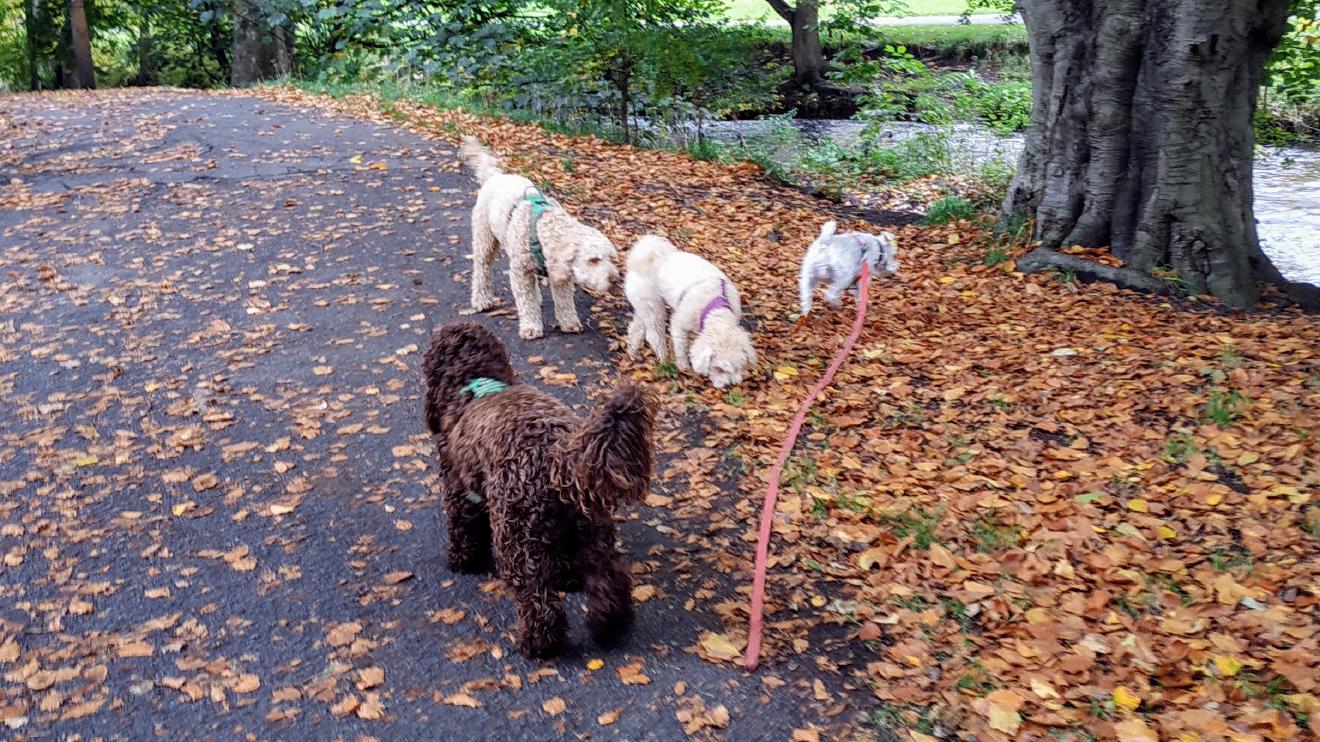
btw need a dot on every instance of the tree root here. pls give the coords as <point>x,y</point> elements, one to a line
<point>1302,295</point>
<point>1042,259</point>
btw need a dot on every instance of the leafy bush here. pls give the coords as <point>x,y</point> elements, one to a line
<point>833,166</point>
<point>1294,68</point>
<point>1004,107</point>
<point>948,209</point>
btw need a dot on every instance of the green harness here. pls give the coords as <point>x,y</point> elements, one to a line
<point>484,387</point>
<point>479,387</point>
<point>540,204</point>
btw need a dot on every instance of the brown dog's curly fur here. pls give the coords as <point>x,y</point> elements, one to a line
<point>522,475</point>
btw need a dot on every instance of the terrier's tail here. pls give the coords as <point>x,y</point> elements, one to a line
<point>609,459</point>
<point>479,159</point>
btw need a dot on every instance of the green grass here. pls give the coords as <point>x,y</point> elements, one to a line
<point>949,208</point>
<point>918,523</point>
<point>750,10</point>
<point>1224,407</point>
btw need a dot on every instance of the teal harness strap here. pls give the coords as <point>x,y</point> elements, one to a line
<point>540,204</point>
<point>484,387</point>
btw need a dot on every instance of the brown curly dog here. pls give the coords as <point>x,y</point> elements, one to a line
<point>522,474</point>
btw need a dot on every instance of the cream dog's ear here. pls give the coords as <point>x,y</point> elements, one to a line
<point>559,254</point>
<point>701,356</point>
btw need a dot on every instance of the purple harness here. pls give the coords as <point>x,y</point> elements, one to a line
<point>719,302</point>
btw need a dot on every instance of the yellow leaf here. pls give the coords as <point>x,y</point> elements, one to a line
<point>719,647</point>
<point>356,159</point>
<point>947,279</point>
<point>1227,665</point>
<point>1004,720</point>
<point>1213,500</point>
<point>595,664</point>
<point>555,706</point>
<point>1124,698</point>
<point>784,373</point>
<point>818,601</point>
<point>1043,689</point>
<point>1138,506</point>
<point>85,461</point>
<point>1167,533</point>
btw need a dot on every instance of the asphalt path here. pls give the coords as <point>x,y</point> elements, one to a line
<point>218,513</point>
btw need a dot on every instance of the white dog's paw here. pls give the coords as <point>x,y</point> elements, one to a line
<point>575,327</point>
<point>530,333</point>
<point>479,306</point>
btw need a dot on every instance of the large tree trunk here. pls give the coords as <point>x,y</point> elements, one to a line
<point>260,51</point>
<point>1141,135</point>
<point>804,20</point>
<point>83,74</point>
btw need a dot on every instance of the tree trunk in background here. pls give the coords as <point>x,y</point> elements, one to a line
<point>260,52</point>
<point>30,32</point>
<point>808,58</point>
<point>1141,136</point>
<point>83,74</point>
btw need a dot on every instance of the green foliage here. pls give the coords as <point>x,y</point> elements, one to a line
<point>832,166</point>
<point>918,523</point>
<point>1224,407</point>
<point>992,535</point>
<point>1004,107</point>
<point>1294,68</point>
<point>1179,447</point>
<point>948,209</point>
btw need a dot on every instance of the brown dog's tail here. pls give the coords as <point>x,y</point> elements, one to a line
<point>610,457</point>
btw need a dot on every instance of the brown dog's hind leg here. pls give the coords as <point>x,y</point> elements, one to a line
<point>609,590</point>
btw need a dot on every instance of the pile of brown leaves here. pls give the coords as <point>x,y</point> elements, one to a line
<point>1039,505</point>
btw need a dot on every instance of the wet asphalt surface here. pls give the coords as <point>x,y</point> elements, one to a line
<point>214,473</point>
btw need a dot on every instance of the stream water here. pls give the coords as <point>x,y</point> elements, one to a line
<point>1287,179</point>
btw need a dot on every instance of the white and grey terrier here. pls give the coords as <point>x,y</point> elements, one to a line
<point>835,260</point>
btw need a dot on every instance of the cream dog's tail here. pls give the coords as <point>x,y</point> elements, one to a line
<point>479,159</point>
<point>647,253</point>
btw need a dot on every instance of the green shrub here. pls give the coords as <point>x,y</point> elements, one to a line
<point>1003,106</point>
<point>948,209</point>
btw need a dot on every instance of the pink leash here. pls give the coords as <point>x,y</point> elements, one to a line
<point>772,491</point>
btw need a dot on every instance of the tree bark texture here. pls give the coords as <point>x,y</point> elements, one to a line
<point>808,58</point>
<point>1141,134</point>
<point>84,76</point>
<point>30,32</point>
<point>260,52</point>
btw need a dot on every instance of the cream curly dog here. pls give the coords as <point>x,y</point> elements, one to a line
<point>541,239</point>
<point>701,305</point>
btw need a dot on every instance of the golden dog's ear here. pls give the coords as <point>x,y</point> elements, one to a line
<point>558,246</point>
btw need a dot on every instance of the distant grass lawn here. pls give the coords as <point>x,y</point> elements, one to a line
<point>751,9</point>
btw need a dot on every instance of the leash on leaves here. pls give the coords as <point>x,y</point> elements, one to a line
<point>753,653</point>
